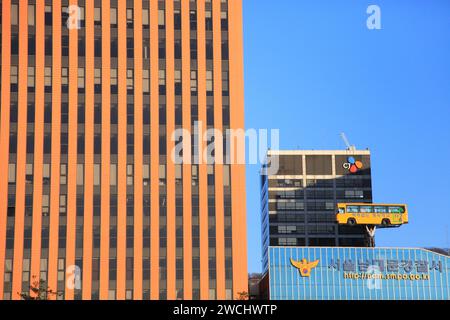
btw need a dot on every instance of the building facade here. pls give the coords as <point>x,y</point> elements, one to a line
<point>91,200</point>
<point>299,194</point>
<point>358,274</point>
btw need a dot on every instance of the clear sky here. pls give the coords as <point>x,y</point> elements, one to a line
<point>313,70</point>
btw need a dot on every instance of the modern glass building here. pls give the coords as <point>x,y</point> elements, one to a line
<point>91,94</point>
<point>299,195</point>
<point>331,273</point>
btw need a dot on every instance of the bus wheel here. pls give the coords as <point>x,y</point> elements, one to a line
<point>351,222</point>
<point>385,222</point>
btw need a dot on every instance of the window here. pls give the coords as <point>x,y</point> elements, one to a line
<point>14,44</point>
<point>353,209</point>
<point>65,79</point>
<point>162,82</point>
<point>80,174</point>
<point>26,270</point>
<point>98,80</point>
<point>48,15</point>
<point>113,17</point>
<point>62,204</point>
<point>209,49</point>
<point>130,48</point>
<point>113,80</point>
<point>225,83</point>
<point>178,50</point>
<point>145,19</point>
<point>96,174</point>
<point>48,79</point>
<point>396,209</point>
<point>80,80</point>
<point>97,137</point>
<point>45,205</point>
<point>98,47</point>
<point>65,45</point>
<point>129,18</point>
<point>130,116</point>
<point>224,20</point>
<point>178,115</point>
<point>193,49</point>
<point>14,14</point>
<point>48,45</point>
<point>46,174</point>
<point>31,15</point>
<point>130,81</point>
<point>146,174</point>
<point>380,209</point>
<point>11,173</point>
<point>31,45</point>
<point>97,17</point>
<point>129,175</point>
<point>113,174</point>
<point>30,79</point>
<point>14,78</point>
<point>161,19</point>
<point>208,21</point>
<point>145,49</point>
<point>146,81</point>
<point>63,174</point>
<point>209,82</point>
<point>193,20</point>
<point>81,17</point>
<point>178,85</point>
<point>177,20</point>
<point>29,173</point>
<point>193,81</point>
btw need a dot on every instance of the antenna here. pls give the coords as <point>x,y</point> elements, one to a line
<point>347,143</point>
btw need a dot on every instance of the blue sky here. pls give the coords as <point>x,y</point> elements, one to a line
<point>313,70</point>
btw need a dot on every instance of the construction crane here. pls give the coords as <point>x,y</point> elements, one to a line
<point>350,147</point>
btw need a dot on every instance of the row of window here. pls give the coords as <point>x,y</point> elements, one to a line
<point>14,77</point>
<point>79,16</point>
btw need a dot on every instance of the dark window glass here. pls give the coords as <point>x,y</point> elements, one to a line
<point>81,46</point>
<point>14,44</point>
<point>177,20</point>
<point>48,113</point>
<point>65,45</point>
<point>31,45</point>
<point>114,47</point>
<point>130,48</point>
<point>193,20</point>
<point>98,47</point>
<point>178,49</point>
<point>114,115</point>
<point>48,45</point>
<point>97,114</point>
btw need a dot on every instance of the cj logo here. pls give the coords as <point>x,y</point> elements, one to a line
<point>304,267</point>
<point>353,165</point>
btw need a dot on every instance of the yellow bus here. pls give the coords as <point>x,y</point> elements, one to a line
<point>372,214</point>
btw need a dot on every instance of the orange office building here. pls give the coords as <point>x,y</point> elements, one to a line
<point>91,201</point>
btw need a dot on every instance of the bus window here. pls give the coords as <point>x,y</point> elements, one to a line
<point>380,209</point>
<point>396,210</point>
<point>366,209</point>
<point>341,210</point>
<point>353,209</point>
